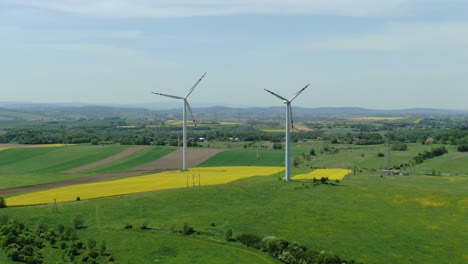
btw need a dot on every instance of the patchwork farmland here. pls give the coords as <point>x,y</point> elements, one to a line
<point>119,191</point>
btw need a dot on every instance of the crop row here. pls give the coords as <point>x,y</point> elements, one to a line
<point>332,174</point>
<point>159,181</point>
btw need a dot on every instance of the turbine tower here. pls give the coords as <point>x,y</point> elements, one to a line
<point>289,126</point>
<point>184,117</point>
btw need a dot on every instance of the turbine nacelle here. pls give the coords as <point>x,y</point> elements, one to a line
<point>289,126</point>
<point>186,107</point>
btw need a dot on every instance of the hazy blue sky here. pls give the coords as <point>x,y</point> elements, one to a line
<point>382,54</point>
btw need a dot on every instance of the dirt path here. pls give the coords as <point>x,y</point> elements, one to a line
<point>173,161</point>
<point>118,156</point>
<point>168,162</point>
<point>459,156</point>
<point>301,127</point>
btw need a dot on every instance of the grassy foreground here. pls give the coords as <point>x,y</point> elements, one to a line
<point>394,219</point>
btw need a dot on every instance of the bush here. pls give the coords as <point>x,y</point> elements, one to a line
<point>312,152</point>
<point>228,234</point>
<point>462,148</point>
<point>92,243</point>
<point>398,146</point>
<point>277,146</point>
<point>102,248</point>
<point>250,240</point>
<point>78,222</point>
<point>2,202</point>
<point>3,219</point>
<point>187,229</point>
<point>144,226</point>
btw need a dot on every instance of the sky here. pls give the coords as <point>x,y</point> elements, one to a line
<point>386,54</point>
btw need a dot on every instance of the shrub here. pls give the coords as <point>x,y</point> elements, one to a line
<point>91,243</point>
<point>144,226</point>
<point>2,202</point>
<point>187,229</point>
<point>102,247</point>
<point>312,152</point>
<point>462,148</point>
<point>61,228</point>
<point>250,240</point>
<point>3,219</point>
<point>78,222</point>
<point>228,234</point>
<point>277,146</point>
<point>398,146</point>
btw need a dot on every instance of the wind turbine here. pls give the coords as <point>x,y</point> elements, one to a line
<point>184,117</point>
<point>289,125</point>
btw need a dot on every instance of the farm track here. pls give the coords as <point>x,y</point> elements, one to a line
<point>168,162</point>
<point>457,157</point>
<point>172,161</point>
<point>118,156</point>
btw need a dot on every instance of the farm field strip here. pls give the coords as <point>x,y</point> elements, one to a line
<point>376,118</point>
<point>10,146</point>
<point>105,161</point>
<point>332,174</point>
<point>159,181</point>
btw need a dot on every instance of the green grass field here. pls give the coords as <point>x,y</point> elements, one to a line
<point>246,157</point>
<point>30,166</point>
<point>371,219</point>
<point>394,219</point>
<point>52,160</point>
<point>141,157</point>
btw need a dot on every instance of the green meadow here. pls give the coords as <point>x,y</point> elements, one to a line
<point>36,165</point>
<point>419,218</point>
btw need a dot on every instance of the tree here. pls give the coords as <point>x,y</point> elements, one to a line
<point>91,243</point>
<point>2,202</point>
<point>312,152</point>
<point>102,247</point>
<point>228,234</point>
<point>398,146</point>
<point>296,161</point>
<point>78,222</point>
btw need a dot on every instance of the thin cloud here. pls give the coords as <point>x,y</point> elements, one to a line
<point>414,38</point>
<point>187,8</point>
<point>92,49</point>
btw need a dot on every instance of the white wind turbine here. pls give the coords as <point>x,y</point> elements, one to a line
<point>289,125</point>
<point>184,117</point>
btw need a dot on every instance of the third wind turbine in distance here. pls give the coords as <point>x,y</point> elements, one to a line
<point>289,126</point>
<point>184,117</point>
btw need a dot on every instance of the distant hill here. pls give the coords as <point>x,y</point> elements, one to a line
<point>75,111</point>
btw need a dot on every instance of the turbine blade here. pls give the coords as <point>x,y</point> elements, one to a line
<point>300,91</point>
<point>277,95</point>
<point>190,111</point>
<point>167,95</point>
<point>195,85</point>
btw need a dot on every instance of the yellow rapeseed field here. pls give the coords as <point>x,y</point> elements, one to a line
<point>332,174</point>
<point>35,146</point>
<point>48,145</point>
<point>152,182</point>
